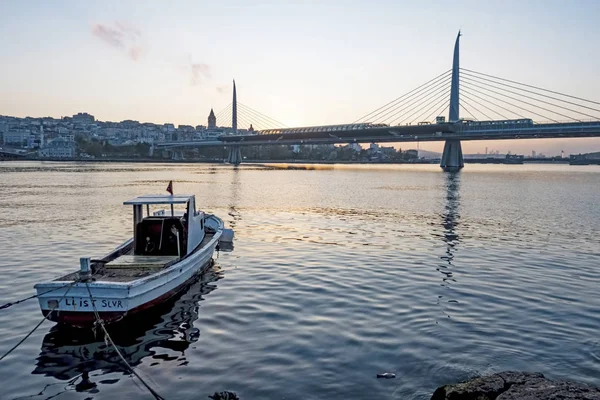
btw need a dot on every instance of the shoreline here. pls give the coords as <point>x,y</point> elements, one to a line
<point>324,162</point>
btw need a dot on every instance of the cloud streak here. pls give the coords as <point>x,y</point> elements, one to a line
<point>199,73</point>
<point>128,40</point>
<point>121,36</point>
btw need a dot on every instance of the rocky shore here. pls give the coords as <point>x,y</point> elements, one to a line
<point>512,385</point>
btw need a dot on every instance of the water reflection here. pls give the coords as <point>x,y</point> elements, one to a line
<point>235,198</point>
<point>450,221</point>
<point>67,353</point>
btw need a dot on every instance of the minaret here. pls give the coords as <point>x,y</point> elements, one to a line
<point>234,110</point>
<point>212,120</point>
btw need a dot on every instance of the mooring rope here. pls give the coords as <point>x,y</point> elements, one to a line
<point>70,285</point>
<point>101,323</point>
<point>10,304</point>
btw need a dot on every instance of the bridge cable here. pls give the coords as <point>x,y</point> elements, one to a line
<point>397,107</point>
<point>435,100</point>
<point>263,115</point>
<point>438,112</point>
<point>70,285</point>
<point>256,123</point>
<point>506,102</point>
<point>522,101</point>
<point>473,81</point>
<point>498,105</point>
<point>243,120</point>
<point>422,90</point>
<point>433,90</point>
<point>223,116</point>
<point>257,120</point>
<point>275,122</point>
<point>257,114</point>
<point>396,103</point>
<point>444,98</point>
<point>404,95</point>
<point>468,112</point>
<point>226,112</point>
<point>100,322</point>
<point>534,87</point>
<point>493,104</point>
<point>262,120</point>
<point>466,74</point>
<point>473,107</point>
<point>416,103</point>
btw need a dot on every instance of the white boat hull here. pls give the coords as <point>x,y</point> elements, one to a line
<point>71,303</point>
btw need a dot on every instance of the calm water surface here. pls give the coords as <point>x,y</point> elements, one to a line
<point>338,273</point>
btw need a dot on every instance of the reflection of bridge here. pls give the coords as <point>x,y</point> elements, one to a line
<point>406,119</point>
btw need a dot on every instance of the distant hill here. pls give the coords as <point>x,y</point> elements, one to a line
<point>429,155</point>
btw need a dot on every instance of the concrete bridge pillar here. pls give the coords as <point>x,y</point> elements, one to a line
<point>177,155</point>
<point>234,155</point>
<point>452,158</point>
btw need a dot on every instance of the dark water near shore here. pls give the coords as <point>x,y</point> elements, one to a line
<point>338,273</point>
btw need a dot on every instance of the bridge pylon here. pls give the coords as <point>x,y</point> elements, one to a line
<point>234,155</point>
<point>452,158</point>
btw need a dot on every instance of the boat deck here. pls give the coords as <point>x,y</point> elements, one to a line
<point>124,266</point>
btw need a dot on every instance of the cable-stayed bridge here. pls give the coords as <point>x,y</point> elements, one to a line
<point>495,108</point>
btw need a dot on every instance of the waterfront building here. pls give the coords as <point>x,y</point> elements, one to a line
<point>58,148</point>
<point>16,137</point>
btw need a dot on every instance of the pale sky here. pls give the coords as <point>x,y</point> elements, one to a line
<point>305,63</point>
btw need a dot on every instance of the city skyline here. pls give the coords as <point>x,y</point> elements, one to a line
<point>172,63</point>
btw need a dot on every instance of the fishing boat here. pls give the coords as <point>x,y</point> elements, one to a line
<point>168,250</point>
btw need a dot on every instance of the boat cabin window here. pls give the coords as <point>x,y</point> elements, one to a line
<point>161,236</point>
<point>161,224</point>
<point>162,232</point>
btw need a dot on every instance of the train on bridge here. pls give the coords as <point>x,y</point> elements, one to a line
<point>351,131</point>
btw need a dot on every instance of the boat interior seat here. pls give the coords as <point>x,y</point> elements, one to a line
<point>156,236</point>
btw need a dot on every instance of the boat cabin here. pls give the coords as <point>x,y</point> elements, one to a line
<point>166,232</point>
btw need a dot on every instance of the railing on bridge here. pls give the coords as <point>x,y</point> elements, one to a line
<point>323,128</point>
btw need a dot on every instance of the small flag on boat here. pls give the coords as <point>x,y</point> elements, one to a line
<point>170,188</point>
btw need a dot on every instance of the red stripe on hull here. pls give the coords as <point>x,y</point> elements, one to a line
<point>87,319</point>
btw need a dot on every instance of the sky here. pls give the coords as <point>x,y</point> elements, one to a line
<point>303,63</point>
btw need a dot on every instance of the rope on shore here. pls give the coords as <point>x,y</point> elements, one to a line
<point>10,304</point>
<point>101,323</point>
<point>70,285</point>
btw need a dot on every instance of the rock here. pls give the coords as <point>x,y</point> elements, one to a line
<point>512,385</point>
<point>224,396</point>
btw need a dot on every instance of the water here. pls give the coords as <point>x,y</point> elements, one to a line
<point>338,273</point>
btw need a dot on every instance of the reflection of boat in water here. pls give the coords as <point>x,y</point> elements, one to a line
<point>67,352</point>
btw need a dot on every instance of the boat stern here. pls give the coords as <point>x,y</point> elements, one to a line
<point>71,303</point>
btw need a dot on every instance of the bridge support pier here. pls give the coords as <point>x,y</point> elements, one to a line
<point>234,155</point>
<point>177,155</point>
<point>452,158</point>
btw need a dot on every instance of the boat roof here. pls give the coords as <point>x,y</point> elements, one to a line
<point>160,199</point>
